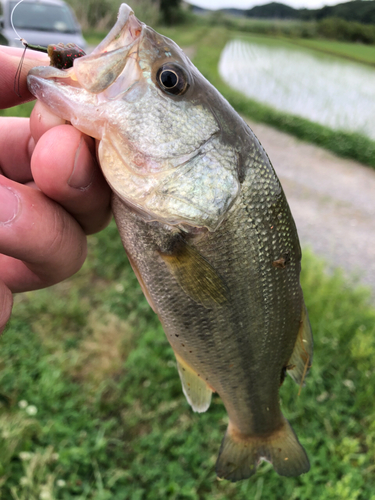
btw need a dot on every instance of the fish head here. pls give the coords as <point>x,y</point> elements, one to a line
<point>165,145</point>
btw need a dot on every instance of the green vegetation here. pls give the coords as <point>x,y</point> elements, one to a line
<point>91,405</point>
<point>339,29</point>
<point>353,51</point>
<point>357,10</point>
<point>282,24</point>
<point>23,110</point>
<point>362,11</point>
<point>102,14</point>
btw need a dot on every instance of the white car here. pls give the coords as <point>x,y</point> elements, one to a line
<point>39,22</point>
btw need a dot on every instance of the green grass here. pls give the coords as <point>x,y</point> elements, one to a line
<point>94,37</point>
<point>112,422</point>
<point>353,51</point>
<point>23,110</point>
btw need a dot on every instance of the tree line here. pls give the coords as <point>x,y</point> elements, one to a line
<point>102,14</point>
<point>362,11</point>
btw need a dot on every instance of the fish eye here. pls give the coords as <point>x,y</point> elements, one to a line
<point>172,79</point>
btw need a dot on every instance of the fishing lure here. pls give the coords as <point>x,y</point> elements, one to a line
<point>61,56</point>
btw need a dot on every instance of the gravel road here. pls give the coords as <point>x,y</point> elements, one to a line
<point>332,201</point>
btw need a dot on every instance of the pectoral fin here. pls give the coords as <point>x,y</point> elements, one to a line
<point>198,279</point>
<point>301,359</point>
<point>197,392</point>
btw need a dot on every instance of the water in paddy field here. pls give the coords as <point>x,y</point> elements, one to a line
<point>333,92</point>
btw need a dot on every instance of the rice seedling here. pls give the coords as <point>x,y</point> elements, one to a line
<point>329,91</point>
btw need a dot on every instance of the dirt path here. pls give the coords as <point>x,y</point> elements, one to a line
<point>332,201</point>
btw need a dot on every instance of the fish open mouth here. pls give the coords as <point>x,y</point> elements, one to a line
<point>111,68</point>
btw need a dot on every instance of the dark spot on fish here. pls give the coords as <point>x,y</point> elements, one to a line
<point>190,352</point>
<point>176,335</point>
<point>282,262</point>
<point>241,168</point>
<point>183,345</point>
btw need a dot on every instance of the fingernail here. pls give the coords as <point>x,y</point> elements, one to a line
<point>9,204</point>
<point>83,171</point>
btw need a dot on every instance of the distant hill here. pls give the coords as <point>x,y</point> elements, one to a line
<point>273,10</point>
<point>234,12</point>
<point>358,10</point>
<point>362,11</point>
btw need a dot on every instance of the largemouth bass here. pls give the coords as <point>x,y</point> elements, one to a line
<point>206,227</point>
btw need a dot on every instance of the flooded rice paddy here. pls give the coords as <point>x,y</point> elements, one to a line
<point>331,91</point>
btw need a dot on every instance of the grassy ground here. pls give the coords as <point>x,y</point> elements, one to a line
<point>352,51</point>
<point>91,405</point>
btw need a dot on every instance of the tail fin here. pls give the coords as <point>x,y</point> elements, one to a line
<point>240,455</point>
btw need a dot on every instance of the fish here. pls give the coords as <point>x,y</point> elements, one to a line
<point>206,227</point>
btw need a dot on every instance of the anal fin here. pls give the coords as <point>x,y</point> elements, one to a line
<point>196,391</point>
<point>301,359</point>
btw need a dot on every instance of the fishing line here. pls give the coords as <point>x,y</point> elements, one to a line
<point>17,76</point>
<point>11,22</point>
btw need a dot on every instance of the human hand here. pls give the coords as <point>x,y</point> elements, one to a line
<point>52,191</point>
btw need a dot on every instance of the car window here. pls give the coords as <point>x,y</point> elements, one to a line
<point>43,17</point>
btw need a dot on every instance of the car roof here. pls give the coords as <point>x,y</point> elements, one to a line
<point>54,2</point>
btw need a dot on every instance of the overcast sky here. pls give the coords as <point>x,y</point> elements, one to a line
<point>246,4</point>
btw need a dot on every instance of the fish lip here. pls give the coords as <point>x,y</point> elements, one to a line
<point>125,17</point>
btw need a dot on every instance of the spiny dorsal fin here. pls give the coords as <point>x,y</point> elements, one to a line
<point>198,279</point>
<point>197,392</point>
<point>301,359</point>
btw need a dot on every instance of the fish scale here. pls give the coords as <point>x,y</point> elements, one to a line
<point>207,230</point>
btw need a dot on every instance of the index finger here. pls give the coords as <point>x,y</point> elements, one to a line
<point>10,58</point>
